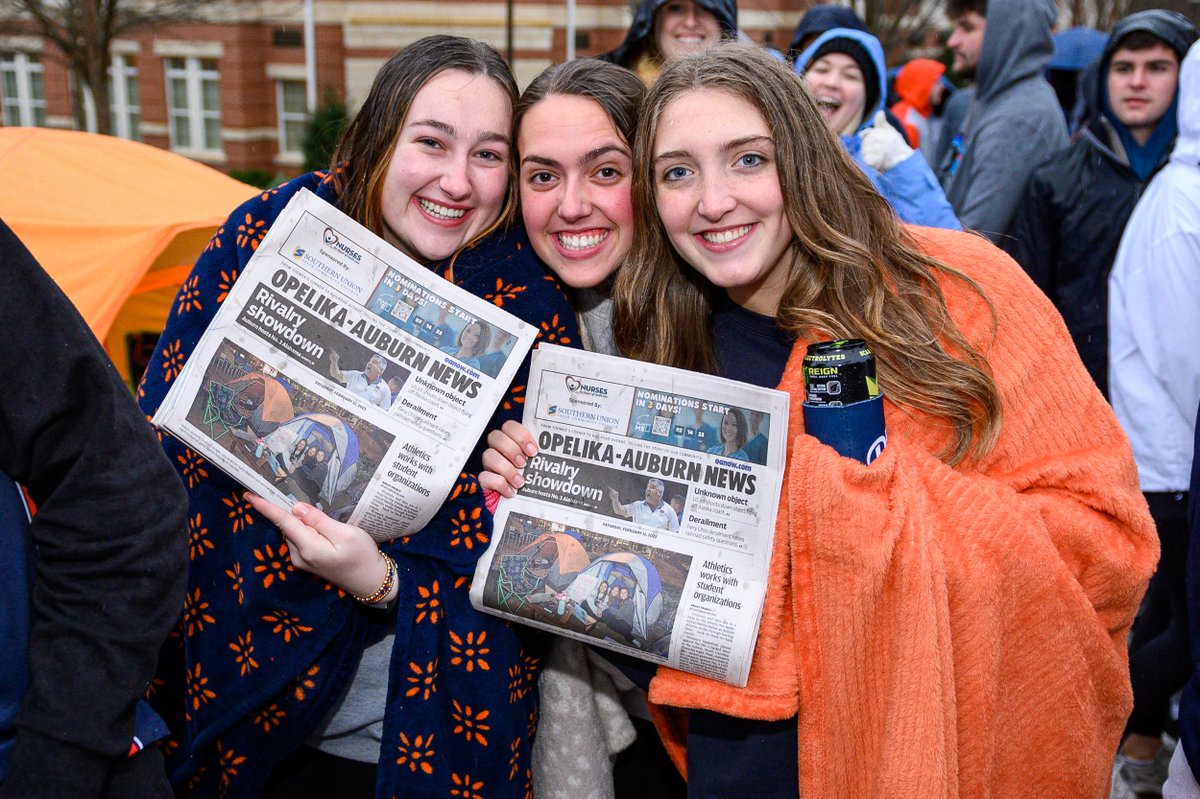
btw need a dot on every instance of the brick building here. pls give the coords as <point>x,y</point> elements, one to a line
<point>229,88</point>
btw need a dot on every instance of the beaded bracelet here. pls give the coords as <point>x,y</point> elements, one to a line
<point>389,580</point>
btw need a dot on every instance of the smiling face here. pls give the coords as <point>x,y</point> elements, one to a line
<point>574,180</point>
<point>448,174</point>
<point>729,429</point>
<point>837,84</point>
<point>1141,85</point>
<point>718,195</point>
<point>682,27</point>
<point>469,338</point>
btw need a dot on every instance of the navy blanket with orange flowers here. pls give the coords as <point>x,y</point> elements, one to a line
<point>263,650</point>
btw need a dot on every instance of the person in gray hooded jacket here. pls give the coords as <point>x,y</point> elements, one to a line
<point>1014,120</point>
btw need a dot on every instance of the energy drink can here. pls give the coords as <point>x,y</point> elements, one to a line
<point>843,407</point>
<point>838,373</point>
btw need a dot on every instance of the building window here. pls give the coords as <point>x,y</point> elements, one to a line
<point>123,94</point>
<point>194,104</point>
<point>292,105</point>
<point>24,97</point>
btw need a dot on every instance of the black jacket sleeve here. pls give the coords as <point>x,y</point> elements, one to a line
<point>108,531</point>
<point>1033,236</point>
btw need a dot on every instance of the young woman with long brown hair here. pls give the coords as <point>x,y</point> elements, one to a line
<point>950,620</point>
<point>279,682</point>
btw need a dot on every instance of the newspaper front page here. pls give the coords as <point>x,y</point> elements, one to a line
<point>340,372</point>
<point>646,520</point>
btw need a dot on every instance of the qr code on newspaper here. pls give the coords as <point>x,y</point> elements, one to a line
<point>661,426</point>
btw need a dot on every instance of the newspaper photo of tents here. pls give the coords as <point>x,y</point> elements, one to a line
<point>308,448</point>
<point>614,590</point>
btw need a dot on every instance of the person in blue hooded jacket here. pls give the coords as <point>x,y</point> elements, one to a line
<point>845,71</point>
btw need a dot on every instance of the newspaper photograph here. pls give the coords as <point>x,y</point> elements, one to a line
<point>646,520</point>
<point>342,373</point>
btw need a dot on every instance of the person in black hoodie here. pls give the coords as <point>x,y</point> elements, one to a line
<point>665,29</point>
<point>90,586</point>
<point>1076,204</point>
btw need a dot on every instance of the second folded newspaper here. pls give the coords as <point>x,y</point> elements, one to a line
<point>646,521</point>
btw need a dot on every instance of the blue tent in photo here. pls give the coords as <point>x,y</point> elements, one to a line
<point>632,571</point>
<point>339,443</point>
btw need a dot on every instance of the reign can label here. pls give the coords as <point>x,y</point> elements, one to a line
<point>839,373</point>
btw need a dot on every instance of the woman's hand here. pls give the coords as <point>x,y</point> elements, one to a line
<point>341,553</point>
<point>506,455</point>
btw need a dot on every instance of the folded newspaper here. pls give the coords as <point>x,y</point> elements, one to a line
<point>340,372</point>
<point>646,520</point>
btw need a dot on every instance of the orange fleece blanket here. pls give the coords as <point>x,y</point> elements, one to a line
<point>954,631</point>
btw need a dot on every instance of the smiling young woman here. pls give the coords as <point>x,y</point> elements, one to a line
<point>667,29</point>
<point>280,683</point>
<point>925,614</point>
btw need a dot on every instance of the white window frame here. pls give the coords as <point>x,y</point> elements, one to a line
<point>31,109</point>
<point>284,117</point>
<point>194,74</point>
<point>126,115</point>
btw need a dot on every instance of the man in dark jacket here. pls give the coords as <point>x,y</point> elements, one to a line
<point>91,585</point>
<point>1077,202</point>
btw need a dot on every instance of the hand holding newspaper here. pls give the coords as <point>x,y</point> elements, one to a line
<point>342,373</point>
<point>646,521</point>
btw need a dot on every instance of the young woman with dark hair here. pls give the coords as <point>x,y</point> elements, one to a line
<point>279,682</point>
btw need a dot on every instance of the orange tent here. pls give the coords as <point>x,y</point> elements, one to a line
<point>116,223</point>
<point>271,397</point>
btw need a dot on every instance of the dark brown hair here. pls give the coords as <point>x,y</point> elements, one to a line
<point>1141,39</point>
<point>615,89</point>
<point>956,8</point>
<point>365,149</point>
<point>852,270</point>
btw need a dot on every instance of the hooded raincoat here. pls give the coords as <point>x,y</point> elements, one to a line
<point>1068,227</point>
<point>638,51</point>
<point>914,85</point>
<point>910,186</point>
<point>1154,294</point>
<point>1013,123</point>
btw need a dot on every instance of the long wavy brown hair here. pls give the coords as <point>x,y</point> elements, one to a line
<point>360,160</point>
<point>853,270</point>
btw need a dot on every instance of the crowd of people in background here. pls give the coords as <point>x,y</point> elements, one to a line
<point>1005,603</point>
